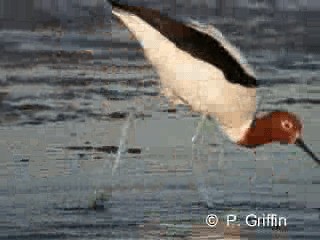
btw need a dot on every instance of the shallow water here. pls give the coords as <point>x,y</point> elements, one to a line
<point>69,92</point>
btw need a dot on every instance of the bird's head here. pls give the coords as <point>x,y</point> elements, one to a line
<point>286,127</point>
<point>278,126</point>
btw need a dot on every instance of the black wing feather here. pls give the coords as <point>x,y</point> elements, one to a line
<point>196,43</point>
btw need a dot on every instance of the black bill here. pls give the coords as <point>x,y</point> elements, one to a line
<point>300,143</point>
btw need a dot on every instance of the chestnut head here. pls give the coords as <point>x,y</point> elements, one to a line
<point>278,126</point>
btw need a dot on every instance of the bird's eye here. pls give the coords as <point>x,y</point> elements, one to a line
<point>286,124</point>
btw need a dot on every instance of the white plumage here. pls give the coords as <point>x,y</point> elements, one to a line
<point>200,84</point>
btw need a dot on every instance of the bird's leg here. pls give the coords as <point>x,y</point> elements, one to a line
<point>253,178</point>
<point>123,145</point>
<point>200,172</point>
<point>200,126</point>
<point>100,196</point>
<point>200,163</point>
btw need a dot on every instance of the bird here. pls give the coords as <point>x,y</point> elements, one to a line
<point>201,68</point>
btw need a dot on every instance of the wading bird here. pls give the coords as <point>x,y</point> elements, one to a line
<point>202,69</point>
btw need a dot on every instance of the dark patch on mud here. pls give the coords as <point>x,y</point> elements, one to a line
<point>105,149</point>
<point>290,101</point>
<point>33,107</point>
<point>118,115</point>
<point>24,160</point>
<point>170,110</point>
<point>117,95</point>
<point>270,83</point>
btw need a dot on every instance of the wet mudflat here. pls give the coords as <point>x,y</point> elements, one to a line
<point>65,97</point>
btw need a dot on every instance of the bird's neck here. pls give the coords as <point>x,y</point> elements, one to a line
<point>259,133</point>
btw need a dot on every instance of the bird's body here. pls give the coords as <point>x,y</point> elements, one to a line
<point>198,83</point>
<point>206,72</point>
